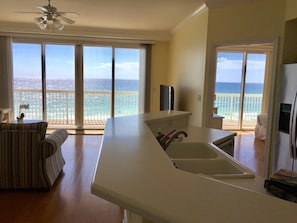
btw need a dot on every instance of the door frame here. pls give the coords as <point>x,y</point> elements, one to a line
<point>266,48</point>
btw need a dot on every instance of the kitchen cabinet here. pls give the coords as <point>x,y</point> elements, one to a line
<point>217,121</point>
<point>178,122</point>
<point>227,145</point>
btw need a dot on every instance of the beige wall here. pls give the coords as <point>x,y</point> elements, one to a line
<point>191,55</point>
<point>290,43</point>
<point>254,22</point>
<point>6,100</point>
<point>187,64</point>
<point>159,73</point>
<point>291,10</point>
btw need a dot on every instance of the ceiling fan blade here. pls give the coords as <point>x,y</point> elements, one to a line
<point>69,14</point>
<point>65,19</point>
<point>51,14</point>
<point>40,13</point>
<point>42,8</point>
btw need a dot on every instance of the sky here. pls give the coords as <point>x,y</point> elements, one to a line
<point>97,63</point>
<point>60,61</point>
<point>229,67</point>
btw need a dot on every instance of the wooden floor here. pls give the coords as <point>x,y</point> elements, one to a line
<point>250,151</point>
<point>70,201</point>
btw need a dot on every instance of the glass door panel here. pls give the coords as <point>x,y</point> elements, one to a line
<point>111,83</point>
<point>253,91</point>
<point>60,85</point>
<point>239,88</point>
<point>127,76</point>
<point>97,65</point>
<point>27,81</point>
<point>228,87</point>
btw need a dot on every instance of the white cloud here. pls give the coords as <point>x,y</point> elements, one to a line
<point>126,70</point>
<point>231,70</point>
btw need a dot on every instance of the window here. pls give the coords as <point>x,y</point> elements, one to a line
<point>59,87</point>
<point>45,77</point>
<point>240,85</point>
<point>128,75</point>
<point>97,84</point>
<point>27,72</point>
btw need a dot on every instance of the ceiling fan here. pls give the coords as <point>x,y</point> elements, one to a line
<point>50,13</point>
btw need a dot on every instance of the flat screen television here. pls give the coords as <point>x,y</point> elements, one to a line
<point>166,97</point>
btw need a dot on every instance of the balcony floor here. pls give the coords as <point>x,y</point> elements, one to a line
<point>234,125</point>
<point>89,127</point>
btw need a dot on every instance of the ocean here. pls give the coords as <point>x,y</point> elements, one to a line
<point>235,88</point>
<point>229,105</point>
<point>123,85</point>
<point>89,84</point>
<point>61,105</point>
<point>97,105</point>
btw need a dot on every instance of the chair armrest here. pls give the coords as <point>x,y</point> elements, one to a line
<point>53,142</point>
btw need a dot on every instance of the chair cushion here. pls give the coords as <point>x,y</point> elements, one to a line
<point>20,165</point>
<point>27,127</point>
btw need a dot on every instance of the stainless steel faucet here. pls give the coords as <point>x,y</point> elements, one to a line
<point>166,139</point>
<point>163,137</point>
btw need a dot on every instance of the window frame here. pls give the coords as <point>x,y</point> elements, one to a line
<point>144,90</point>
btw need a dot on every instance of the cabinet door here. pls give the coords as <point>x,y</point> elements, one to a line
<point>227,146</point>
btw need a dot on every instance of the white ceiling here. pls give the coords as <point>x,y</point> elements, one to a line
<point>132,15</point>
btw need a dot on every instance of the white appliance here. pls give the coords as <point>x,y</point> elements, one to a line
<point>285,151</point>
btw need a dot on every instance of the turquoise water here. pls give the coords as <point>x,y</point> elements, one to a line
<point>61,99</point>
<point>97,102</point>
<point>234,88</point>
<point>229,106</point>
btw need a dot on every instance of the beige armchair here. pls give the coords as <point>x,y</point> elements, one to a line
<point>28,158</point>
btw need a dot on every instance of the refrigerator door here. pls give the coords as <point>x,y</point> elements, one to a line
<point>283,150</point>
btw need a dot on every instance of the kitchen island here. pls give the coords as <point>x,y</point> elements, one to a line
<point>134,172</point>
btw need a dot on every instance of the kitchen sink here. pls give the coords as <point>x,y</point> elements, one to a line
<point>217,168</point>
<point>207,159</point>
<point>191,150</point>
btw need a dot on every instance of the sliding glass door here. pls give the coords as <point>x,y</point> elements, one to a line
<point>112,77</point>
<point>253,89</point>
<point>59,86</point>
<point>27,80</point>
<point>128,76</point>
<point>97,77</point>
<point>239,89</point>
<point>48,77</point>
<point>228,87</point>
<point>44,82</point>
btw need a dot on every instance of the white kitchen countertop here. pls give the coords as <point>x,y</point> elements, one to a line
<point>134,172</point>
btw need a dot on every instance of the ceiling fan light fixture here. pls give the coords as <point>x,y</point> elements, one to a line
<point>41,22</point>
<point>51,15</point>
<point>57,24</point>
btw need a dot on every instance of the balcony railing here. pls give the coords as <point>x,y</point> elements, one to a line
<point>229,106</point>
<point>60,106</point>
